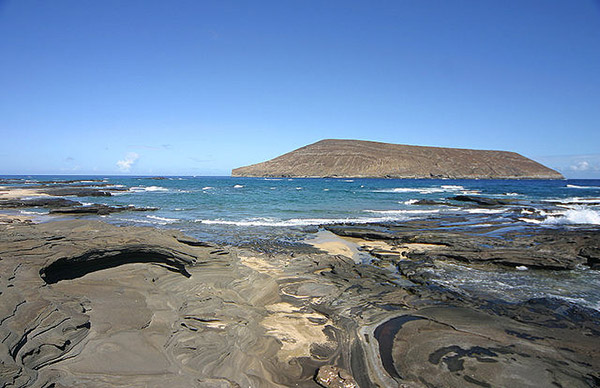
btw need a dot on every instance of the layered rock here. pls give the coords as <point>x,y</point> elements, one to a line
<point>367,159</point>
<point>88,304</point>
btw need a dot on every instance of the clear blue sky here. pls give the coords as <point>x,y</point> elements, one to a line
<point>201,87</point>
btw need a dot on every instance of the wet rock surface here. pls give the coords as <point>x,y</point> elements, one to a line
<point>93,305</point>
<point>555,249</point>
<point>98,209</point>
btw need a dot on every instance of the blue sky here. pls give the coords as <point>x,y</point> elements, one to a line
<point>201,87</point>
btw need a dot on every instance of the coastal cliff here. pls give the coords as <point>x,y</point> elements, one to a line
<point>368,159</point>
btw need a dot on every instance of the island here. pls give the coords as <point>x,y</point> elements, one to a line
<point>337,158</point>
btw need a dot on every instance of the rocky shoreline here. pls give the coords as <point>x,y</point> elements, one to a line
<point>89,304</point>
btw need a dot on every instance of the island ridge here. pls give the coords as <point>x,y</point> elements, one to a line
<point>368,159</point>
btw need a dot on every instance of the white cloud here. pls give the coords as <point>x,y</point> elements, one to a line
<point>582,166</point>
<point>125,164</point>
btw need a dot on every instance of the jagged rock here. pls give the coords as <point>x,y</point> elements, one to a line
<point>368,159</point>
<point>546,249</point>
<point>482,201</point>
<point>330,376</point>
<point>592,254</point>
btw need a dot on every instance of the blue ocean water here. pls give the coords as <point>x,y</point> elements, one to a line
<point>230,210</point>
<point>235,210</point>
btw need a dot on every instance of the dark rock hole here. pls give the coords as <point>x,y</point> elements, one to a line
<point>76,267</point>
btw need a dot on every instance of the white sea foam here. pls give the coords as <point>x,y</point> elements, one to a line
<point>163,219</point>
<point>207,188</point>
<point>32,213</point>
<point>485,211</point>
<point>348,180</point>
<point>530,220</point>
<point>108,187</point>
<point>577,215</point>
<point>298,188</point>
<point>325,189</point>
<point>138,189</point>
<point>420,190</point>
<point>424,190</point>
<point>272,179</point>
<point>583,187</point>
<point>575,200</point>
<point>424,211</point>
<point>580,215</point>
<point>238,186</point>
<point>410,202</point>
<point>511,194</point>
<point>261,221</point>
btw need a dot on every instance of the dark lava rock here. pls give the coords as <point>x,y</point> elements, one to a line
<point>429,202</point>
<point>371,232</point>
<point>75,191</point>
<point>553,249</point>
<point>508,257</point>
<point>37,202</point>
<point>483,201</point>
<point>98,209</point>
<point>592,254</point>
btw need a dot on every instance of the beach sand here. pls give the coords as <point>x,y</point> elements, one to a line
<point>19,193</point>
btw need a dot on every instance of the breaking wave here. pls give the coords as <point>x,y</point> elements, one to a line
<point>139,189</point>
<point>579,216</point>
<point>163,219</point>
<point>403,211</point>
<point>263,221</point>
<point>583,187</point>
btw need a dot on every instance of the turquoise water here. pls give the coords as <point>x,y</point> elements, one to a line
<point>259,211</point>
<point>234,210</point>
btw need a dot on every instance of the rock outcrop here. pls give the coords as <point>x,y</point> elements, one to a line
<point>87,304</point>
<point>367,159</point>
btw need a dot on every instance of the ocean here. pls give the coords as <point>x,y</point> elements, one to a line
<point>285,211</point>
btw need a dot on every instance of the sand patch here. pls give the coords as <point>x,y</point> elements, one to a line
<point>351,247</point>
<point>259,265</point>
<point>332,244</point>
<point>10,193</point>
<point>384,247</point>
<point>296,331</point>
<point>13,218</point>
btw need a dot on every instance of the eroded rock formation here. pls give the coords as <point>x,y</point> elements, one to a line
<point>93,305</point>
